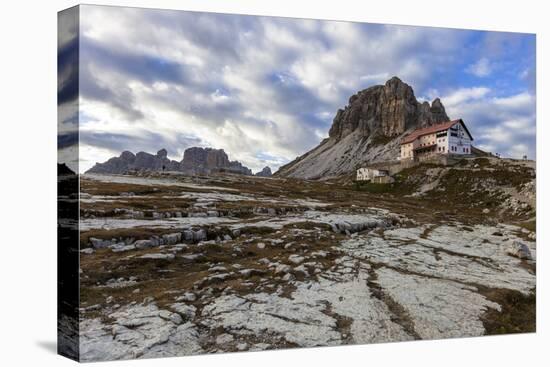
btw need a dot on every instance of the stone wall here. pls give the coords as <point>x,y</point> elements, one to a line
<point>397,166</point>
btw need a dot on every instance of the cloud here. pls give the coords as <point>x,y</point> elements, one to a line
<point>65,140</point>
<point>462,95</point>
<point>266,89</point>
<point>481,68</point>
<point>505,125</point>
<point>518,101</point>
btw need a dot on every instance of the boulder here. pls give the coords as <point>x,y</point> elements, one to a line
<point>223,339</point>
<point>187,296</point>
<point>171,238</point>
<point>296,259</point>
<point>188,235</point>
<point>99,243</point>
<point>519,250</point>
<point>187,312</point>
<point>158,256</point>
<point>199,235</point>
<point>142,244</point>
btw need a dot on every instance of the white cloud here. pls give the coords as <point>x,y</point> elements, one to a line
<point>518,151</point>
<point>505,125</point>
<point>462,95</point>
<point>520,100</point>
<point>481,68</point>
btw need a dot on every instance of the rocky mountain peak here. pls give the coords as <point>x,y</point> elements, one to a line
<point>438,111</point>
<point>127,156</point>
<point>265,172</point>
<point>163,153</point>
<point>385,110</point>
<point>367,130</point>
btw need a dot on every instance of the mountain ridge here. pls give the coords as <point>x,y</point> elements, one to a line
<point>196,160</point>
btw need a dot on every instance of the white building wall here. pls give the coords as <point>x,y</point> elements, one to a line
<point>365,174</point>
<point>461,143</point>
<point>407,150</point>
<point>442,143</point>
<point>447,144</point>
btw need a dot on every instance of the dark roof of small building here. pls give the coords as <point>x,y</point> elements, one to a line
<point>433,129</point>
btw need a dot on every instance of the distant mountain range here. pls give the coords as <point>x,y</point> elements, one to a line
<point>368,130</point>
<point>196,160</point>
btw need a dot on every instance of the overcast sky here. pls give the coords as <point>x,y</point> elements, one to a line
<point>266,89</point>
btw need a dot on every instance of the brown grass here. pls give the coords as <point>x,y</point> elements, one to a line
<point>518,314</point>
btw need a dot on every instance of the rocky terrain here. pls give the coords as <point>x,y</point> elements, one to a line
<point>368,130</point>
<point>178,265</point>
<point>195,161</point>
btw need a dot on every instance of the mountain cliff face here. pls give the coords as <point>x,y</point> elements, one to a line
<point>195,161</point>
<point>265,172</point>
<point>205,160</point>
<point>367,130</point>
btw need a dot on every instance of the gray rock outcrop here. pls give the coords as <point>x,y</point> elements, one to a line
<point>196,160</point>
<point>207,160</point>
<point>128,161</point>
<point>519,250</point>
<point>265,172</point>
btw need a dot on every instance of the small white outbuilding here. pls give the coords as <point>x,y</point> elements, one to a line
<point>369,174</point>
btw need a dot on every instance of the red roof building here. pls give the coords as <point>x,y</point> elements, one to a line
<point>452,137</point>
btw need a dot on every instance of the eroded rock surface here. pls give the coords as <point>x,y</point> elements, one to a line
<point>248,265</point>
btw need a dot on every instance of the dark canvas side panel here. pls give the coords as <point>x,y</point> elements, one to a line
<point>67,183</point>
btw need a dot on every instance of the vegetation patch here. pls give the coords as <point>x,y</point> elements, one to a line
<point>530,225</point>
<point>374,188</point>
<point>518,313</point>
